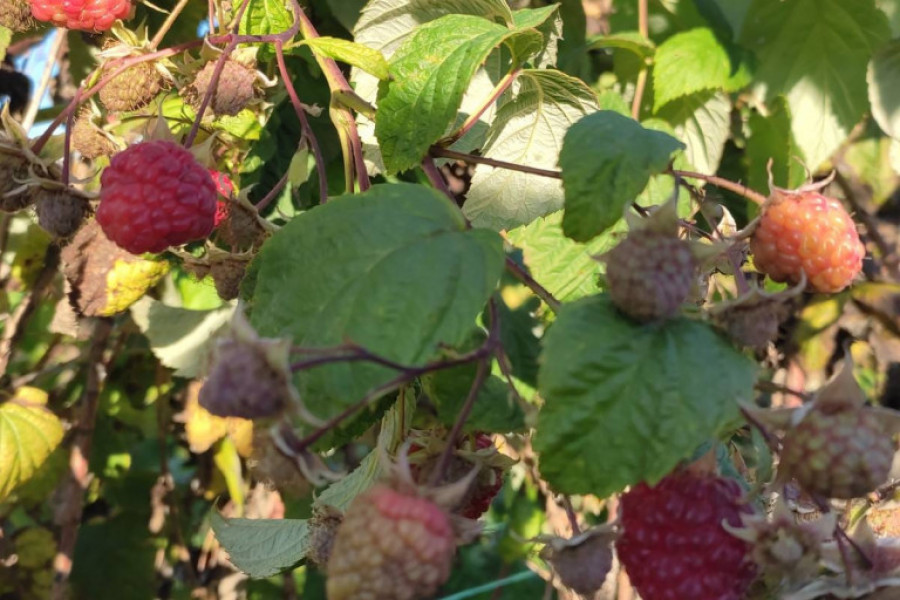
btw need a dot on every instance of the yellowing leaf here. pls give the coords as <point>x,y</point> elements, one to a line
<point>128,281</point>
<point>28,434</point>
<point>203,429</point>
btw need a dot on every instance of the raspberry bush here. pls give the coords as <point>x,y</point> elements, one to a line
<point>449,299</point>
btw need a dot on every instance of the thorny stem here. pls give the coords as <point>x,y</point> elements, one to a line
<point>167,25</point>
<point>273,193</point>
<point>67,145</point>
<point>771,387</point>
<point>469,123</point>
<point>440,152</point>
<point>304,123</point>
<point>481,373</point>
<point>641,83</point>
<point>337,83</point>
<point>214,79</point>
<point>516,270</point>
<point>121,66</point>
<point>408,375</point>
<point>435,177</point>
<point>570,513</point>
<point>737,188</point>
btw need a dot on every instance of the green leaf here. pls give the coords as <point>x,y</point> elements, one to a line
<point>394,426</point>
<point>180,338</point>
<point>357,55</point>
<point>385,24</point>
<point>262,547</point>
<point>606,160</point>
<point>703,122</point>
<point>687,63</point>
<point>815,53</point>
<point>430,73</point>
<point>28,435</point>
<point>495,409</point>
<point>392,269</point>
<point>548,22</point>
<point>770,139</point>
<point>527,130</point>
<point>626,402</point>
<point>883,77</point>
<point>264,17</point>
<point>566,268</point>
<point>632,41</point>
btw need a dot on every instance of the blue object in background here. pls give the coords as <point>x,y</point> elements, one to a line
<point>32,64</point>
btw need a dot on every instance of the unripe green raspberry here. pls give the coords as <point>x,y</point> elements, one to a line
<point>649,274</point>
<point>132,89</point>
<point>838,452</point>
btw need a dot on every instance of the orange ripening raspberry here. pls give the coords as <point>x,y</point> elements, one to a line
<point>811,233</point>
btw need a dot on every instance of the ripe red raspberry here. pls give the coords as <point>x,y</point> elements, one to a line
<point>225,187</point>
<point>391,544</point>
<point>87,15</point>
<point>807,232</point>
<point>839,451</point>
<point>649,274</point>
<point>673,544</point>
<point>154,195</point>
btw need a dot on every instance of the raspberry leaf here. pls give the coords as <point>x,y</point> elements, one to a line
<point>265,17</point>
<point>495,408</point>
<point>180,338</point>
<point>703,122</point>
<point>607,160</point>
<point>262,547</point>
<point>824,80</point>
<point>527,130</point>
<point>883,77</point>
<point>549,23</point>
<point>392,269</point>
<point>772,139</point>
<point>711,67</point>
<point>625,403</point>
<point>28,435</point>
<point>368,59</point>
<point>430,73</point>
<point>566,268</point>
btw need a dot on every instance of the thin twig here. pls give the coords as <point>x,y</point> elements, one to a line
<point>439,152</point>
<point>470,122</point>
<point>55,52</point>
<point>273,193</point>
<point>481,373</point>
<point>214,78</point>
<point>516,270</point>
<point>435,177</point>
<point>641,84</point>
<point>167,25</point>
<point>304,123</point>
<point>737,188</point>
<point>71,490</point>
